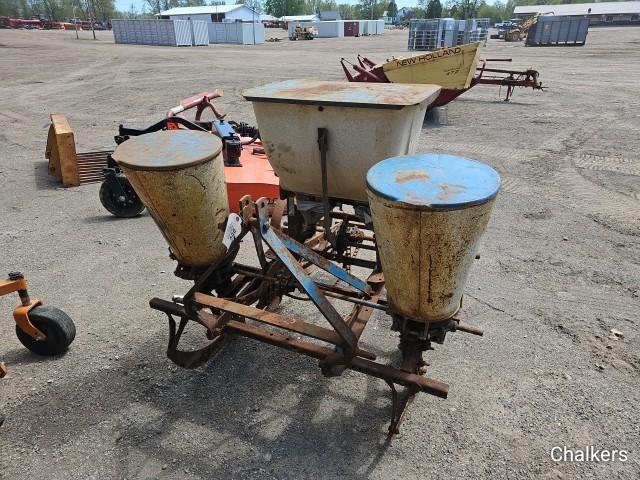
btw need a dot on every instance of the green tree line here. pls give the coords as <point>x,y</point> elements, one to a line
<point>364,9</point>
<point>461,9</point>
<point>103,10</point>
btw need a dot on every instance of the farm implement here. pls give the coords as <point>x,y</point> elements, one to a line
<point>247,168</point>
<point>456,69</point>
<point>346,207</point>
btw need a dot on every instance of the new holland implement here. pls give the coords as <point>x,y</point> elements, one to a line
<point>410,223</point>
<point>456,69</point>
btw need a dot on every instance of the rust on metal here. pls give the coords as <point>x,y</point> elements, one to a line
<point>276,320</point>
<point>408,175</point>
<point>233,299</point>
<point>318,92</point>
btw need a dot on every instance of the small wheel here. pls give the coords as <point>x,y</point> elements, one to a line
<point>55,324</point>
<point>126,207</point>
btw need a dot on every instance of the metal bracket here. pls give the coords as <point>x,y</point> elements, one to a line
<point>21,316</point>
<point>190,359</point>
<point>321,262</point>
<point>17,283</point>
<point>306,283</point>
<point>399,406</point>
<point>323,145</point>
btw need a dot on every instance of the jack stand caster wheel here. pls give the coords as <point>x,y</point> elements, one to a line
<point>55,324</point>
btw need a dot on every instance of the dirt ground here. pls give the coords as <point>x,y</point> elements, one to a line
<point>560,268</point>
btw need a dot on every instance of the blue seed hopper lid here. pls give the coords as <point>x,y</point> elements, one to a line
<point>434,181</point>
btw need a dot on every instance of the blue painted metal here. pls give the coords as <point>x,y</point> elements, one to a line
<point>321,262</point>
<point>224,129</point>
<point>305,282</point>
<point>341,94</point>
<point>315,294</point>
<point>168,150</point>
<point>434,181</point>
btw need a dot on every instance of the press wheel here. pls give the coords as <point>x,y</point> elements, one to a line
<point>126,206</point>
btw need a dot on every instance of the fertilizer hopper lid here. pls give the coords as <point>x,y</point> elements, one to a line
<point>343,94</point>
<point>434,181</point>
<point>167,150</point>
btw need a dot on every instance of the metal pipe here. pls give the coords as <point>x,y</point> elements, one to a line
<point>366,303</point>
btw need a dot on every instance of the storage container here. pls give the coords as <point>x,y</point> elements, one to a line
<point>558,31</point>
<point>352,29</point>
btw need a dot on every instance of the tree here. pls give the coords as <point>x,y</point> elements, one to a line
<point>255,5</point>
<point>157,6</point>
<point>434,9</point>
<point>392,9</point>
<point>495,13</point>
<point>347,11</point>
<point>371,9</point>
<point>463,9</point>
<point>104,10</point>
<point>280,8</point>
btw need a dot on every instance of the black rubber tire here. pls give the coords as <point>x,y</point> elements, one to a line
<point>132,207</point>
<point>55,324</point>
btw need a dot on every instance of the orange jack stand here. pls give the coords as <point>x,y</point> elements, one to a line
<point>17,283</point>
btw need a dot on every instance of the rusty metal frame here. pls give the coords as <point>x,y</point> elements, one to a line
<point>226,313</point>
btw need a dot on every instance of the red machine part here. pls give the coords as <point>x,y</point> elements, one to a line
<point>255,176</point>
<point>200,102</point>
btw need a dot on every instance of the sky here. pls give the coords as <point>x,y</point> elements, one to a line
<point>125,5</point>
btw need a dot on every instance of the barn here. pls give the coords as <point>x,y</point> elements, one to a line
<point>213,13</point>
<point>300,18</point>
<point>599,14</point>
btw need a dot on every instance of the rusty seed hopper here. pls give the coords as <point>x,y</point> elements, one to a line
<point>179,176</point>
<point>429,212</point>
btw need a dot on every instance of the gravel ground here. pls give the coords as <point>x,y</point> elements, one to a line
<point>559,270</point>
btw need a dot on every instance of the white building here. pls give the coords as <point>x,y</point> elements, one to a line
<point>330,16</point>
<point>601,13</point>
<point>213,13</point>
<point>300,18</point>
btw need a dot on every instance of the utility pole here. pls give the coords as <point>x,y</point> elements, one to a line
<point>75,22</point>
<point>92,17</point>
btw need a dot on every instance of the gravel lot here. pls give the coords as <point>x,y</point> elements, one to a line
<point>560,268</point>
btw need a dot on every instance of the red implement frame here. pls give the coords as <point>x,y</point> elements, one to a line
<point>368,71</point>
<point>256,176</point>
